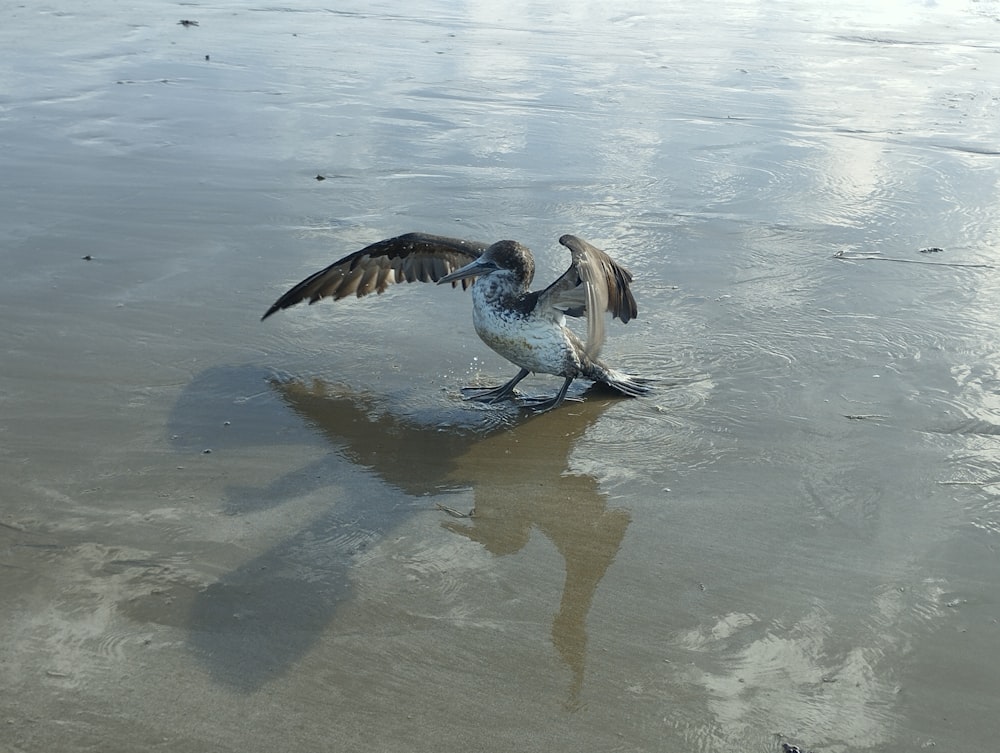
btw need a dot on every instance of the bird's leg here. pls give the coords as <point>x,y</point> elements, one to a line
<point>553,402</point>
<point>495,394</point>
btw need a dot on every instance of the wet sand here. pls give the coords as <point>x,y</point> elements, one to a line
<point>227,535</point>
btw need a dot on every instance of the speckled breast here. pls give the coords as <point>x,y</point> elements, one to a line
<point>530,341</point>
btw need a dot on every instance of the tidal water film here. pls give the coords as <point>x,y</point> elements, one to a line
<point>227,535</point>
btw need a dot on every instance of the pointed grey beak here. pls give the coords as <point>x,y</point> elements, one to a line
<point>472,269</point>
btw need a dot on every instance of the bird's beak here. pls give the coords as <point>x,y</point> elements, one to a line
<point>469,270</point>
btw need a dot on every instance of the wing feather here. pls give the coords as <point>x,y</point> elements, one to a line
<point>593,284</point>
<point>414,257</point>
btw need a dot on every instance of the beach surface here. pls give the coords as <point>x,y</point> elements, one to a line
<point>221,534</point>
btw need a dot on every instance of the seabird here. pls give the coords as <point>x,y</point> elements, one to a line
<point>527,328</point>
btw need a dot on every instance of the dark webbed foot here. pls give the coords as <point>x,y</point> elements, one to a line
<point>540,405</point>
<point>488,394</point>
<point>495,394</point>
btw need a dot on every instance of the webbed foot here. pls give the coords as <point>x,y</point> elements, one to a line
<point>495,394</point>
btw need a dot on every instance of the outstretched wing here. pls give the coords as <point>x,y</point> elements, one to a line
<point>414,257</point>
<point>593,284</point>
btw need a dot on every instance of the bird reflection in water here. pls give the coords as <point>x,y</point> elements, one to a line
<point>256,621</point>
<point>521,482</point>
<point>521,489</point>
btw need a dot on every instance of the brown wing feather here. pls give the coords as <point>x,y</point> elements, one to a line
<point>612,276</point>
<point>414,257</point>
<point>593,284</point>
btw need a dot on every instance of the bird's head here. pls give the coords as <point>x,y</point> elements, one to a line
<point>506,258</point>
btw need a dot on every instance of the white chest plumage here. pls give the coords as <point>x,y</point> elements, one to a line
<point>534,340</point>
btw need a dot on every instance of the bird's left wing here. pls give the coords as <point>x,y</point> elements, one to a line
<point>593,284</point>
<point>414,257</point>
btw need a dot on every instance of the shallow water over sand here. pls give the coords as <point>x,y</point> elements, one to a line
<point>221,534</point>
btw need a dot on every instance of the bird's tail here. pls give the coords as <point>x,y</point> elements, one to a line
<point>619,381</point>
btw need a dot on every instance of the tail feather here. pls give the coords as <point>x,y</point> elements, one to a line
<point>626,384</point>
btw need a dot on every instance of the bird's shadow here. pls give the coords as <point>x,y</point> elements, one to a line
<point>257,620</point>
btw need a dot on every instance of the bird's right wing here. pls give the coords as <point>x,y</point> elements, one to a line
<point>593,284</point>
<point>414,257</point>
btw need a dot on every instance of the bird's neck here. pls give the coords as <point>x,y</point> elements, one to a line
<point>504,292</point>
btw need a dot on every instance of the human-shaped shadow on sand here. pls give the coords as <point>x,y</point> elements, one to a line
<point>254,622</point>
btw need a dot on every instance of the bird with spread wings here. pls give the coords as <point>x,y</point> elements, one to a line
<point>525,327</point>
